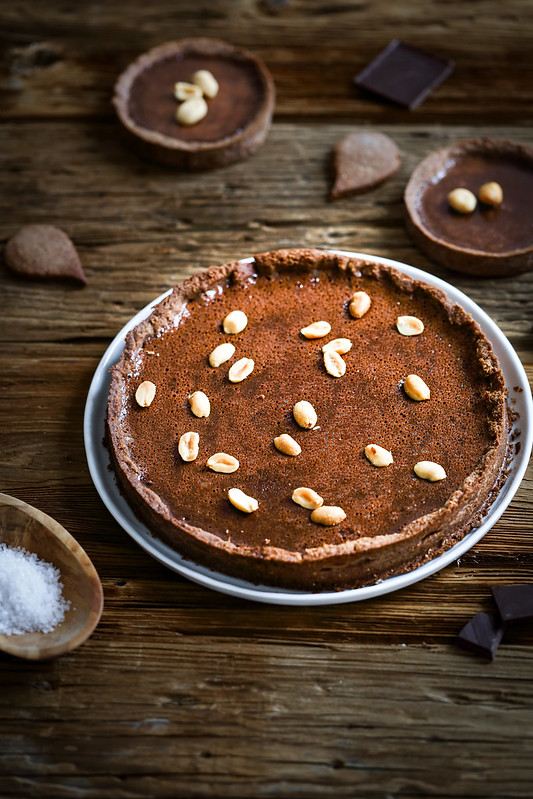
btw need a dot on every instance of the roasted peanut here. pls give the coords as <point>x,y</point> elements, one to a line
<point>378,456</point>
<point>415,388</point>
<point>307,498</point>
<point>200,404</point>
<point>145,394</point>
<point>409,326</point>
<point>207,82</point>
<point>241,370</point>
<point>359,304</point>
<point>188,446</point>
<point>304,414</point>
<point>316,330</point>
<point>428,470</point>
<point>491,194</point>
<point>221,354</point>
<point>191,111</point>
<point>328,515</point>
<point>462,201</point>
<point>242,501</point>
<point>223,463</point>
<point>334,364</point>
<point>286,444</point>
<point>186,91</point>
<point>235,322</point>
<point>339,345</point>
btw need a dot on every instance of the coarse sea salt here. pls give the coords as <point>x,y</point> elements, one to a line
<point>31,598</point>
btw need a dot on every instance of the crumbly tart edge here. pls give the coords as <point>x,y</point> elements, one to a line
<point>331,566</point>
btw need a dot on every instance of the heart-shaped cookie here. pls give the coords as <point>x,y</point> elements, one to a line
<point>362,160</point>
<point>43,252</point>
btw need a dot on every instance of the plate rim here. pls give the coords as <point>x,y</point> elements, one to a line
<point>107,488</point>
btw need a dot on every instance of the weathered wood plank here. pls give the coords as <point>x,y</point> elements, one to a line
<point>59,63</point>
<point>140,228</point>
<point>189,741</point>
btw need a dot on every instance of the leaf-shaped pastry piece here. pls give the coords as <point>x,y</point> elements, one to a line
<point>361,161</point>
<point>43,252</point>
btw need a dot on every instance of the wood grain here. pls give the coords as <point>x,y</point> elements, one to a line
<point>181,691</point>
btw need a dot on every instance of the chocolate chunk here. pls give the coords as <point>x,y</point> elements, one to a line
<point>514,602</point>
<point>404,74</point>
<point>362,160</point>
<point>43,252</point>
<point>482,635</point>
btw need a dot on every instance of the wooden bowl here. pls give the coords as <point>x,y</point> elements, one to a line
<point>21,525</point>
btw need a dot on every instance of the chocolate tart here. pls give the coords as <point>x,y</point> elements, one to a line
<point>237,120</point>
<point>395,521</point>
<point>491,241</point>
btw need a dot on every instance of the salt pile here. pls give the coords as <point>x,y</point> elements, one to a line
<point>31,597</point>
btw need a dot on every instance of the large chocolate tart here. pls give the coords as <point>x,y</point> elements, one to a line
<point>490,241</point>
<point>237,120</point>
<point>395,521</point>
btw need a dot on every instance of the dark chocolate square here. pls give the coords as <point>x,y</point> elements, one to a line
<point>404,74</point>
<point>482,635</point>
<point>514,602</point>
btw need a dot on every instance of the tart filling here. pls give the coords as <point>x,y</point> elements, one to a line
<point>341,440</point>
<point>152,104</point>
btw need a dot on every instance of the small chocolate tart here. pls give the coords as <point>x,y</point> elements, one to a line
<point>237,120</point>
<point>490,241</point>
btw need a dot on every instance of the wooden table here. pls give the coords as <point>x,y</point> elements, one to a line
<point>182,691</point>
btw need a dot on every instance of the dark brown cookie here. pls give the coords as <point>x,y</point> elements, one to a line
<point>362,160</point>
<point>43,252</point>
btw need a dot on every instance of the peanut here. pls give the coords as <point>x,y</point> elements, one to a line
<point>221,354</point>
<point>316,330</point>
<point>207,82</point>
<point>428,470</point>
<point>185,91</point>
<point>145,394</point>
<point>378,456</point>
<point>491,194</point>
<point>409,326</point>
<point>328,515</point>
<point>286,444</point>
<point>241,370</point>
<point>200,404</point>
<point>235,322</point>
<point>188,447</point>
<point>339,345</point>
<point>307,498</point>
<point>223,463</point>
<point>242,501</point>
<point>416,389</point>
<point>334,364</point>
<point>462,201</point>
<point>304,414</point>
<point>191,111</point>
<point>359,304</point>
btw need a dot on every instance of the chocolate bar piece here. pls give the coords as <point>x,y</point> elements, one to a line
<point>482,635</point>
<point>404,74</point>
<point>514,602</point>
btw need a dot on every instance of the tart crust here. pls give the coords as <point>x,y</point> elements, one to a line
<point>358,558</point>
<point>190,153</point>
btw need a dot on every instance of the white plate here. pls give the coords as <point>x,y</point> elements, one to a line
<point>98,459</point>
